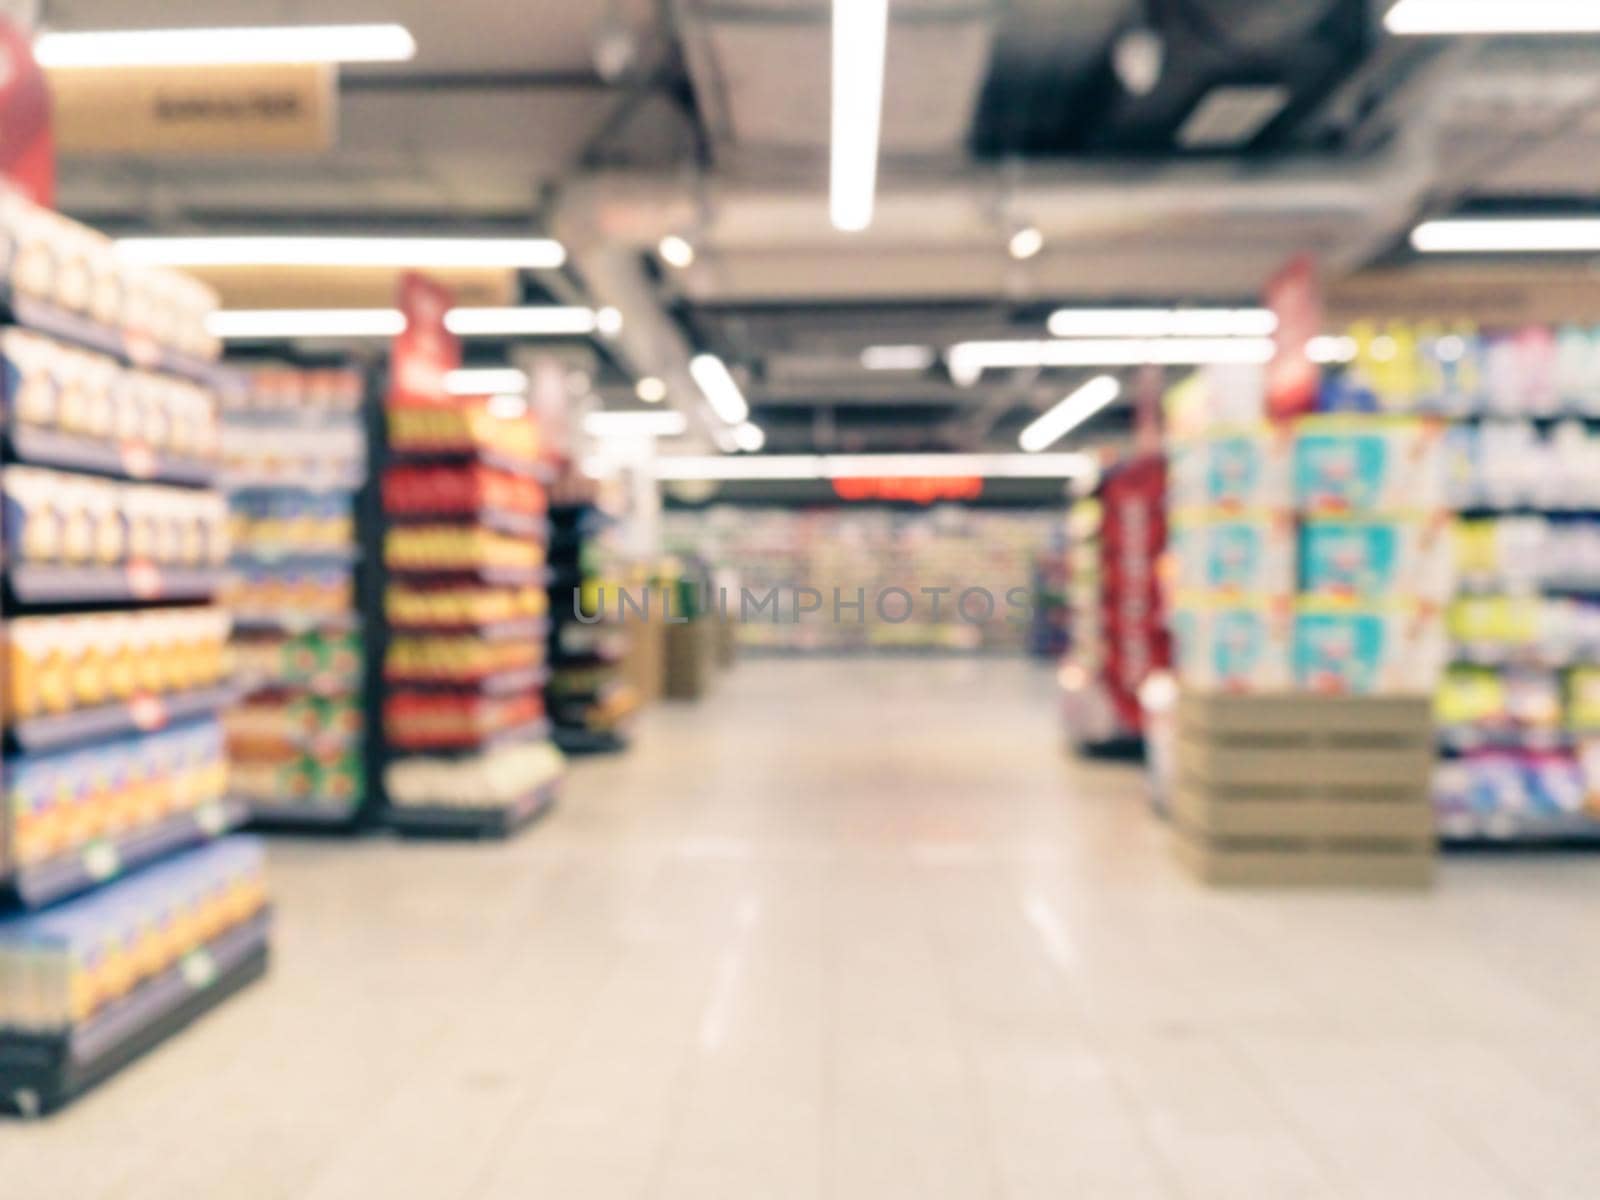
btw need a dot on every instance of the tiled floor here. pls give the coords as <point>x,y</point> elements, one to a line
<point>862,930</point>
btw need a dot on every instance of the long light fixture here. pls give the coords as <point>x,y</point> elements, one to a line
<point>270,323</point>
<point>485,381</point>
<point>860,39</point>
<point>749,436</point>
<point>873,466</point>
<point>547,320</point>
<point>267,323</point>
<point>1073,410</point>
<point>968,360</point>
<point>1493,17</point>
<point>659,423</point>
<point>225,46</point>
<point>721,392</point>
<point>897,358</point>
<point>315,251</point>
<point>1161,322</point>
<point>1508,235</point>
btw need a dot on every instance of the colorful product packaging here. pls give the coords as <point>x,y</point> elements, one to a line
<point>1367,649</point>
<point>1374,558</point>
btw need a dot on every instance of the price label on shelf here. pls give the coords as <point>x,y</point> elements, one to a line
<point>148,712</point>
<point>199,969</point>
<point>144,580</point>
<point>212,818</point>
<point>101,860</point>
<point>138,460</point>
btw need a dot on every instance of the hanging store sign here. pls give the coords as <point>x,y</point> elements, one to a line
<point>911,489</point>
<point>1294,295</point>
<point>27,145</point>
<point>425,351</point>
<point>195,110</point>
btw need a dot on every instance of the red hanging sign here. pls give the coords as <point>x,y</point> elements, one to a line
<point>27,143</point>
<point>916,490</point>
<point>1294,295</point>
<point>424,351</point>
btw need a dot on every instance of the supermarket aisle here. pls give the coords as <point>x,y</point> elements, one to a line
<point>861,930</point>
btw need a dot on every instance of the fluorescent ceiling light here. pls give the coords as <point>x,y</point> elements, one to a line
<point>650,389</point>
<point>860,36</point>
<point>608,321</point>
<point>1493,16</point>
<point>1025,242</point>
<point>873,466</point>
<point>508,407</point>
<point>676,251</point>
<point>314,251</point>
<point>549,320</point>
<point>485,381</point>
<point>1231,115</point>
<point>749,436</point>
<point>250,324</point>
<point>1073,410</point>
<point>897,358</point>
<point>1327,348</point>
<point>635,424</point>
<point>1508,235</point>
<point>225,47</point>
<point>721,392</point>
<point>1161,322</point>
<point>968,360</point>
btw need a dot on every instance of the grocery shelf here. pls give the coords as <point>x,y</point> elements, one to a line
<point>39,583</point>
<point>39,1072</point>
<point>494,576</point>
<point>1461,831</point>
<point>104,859</point>
<point>509,521</point>
<point>234,482</point>
<point>146,714</point>
<point>535,730</point>
<point>120,460</point>
<point>531,628</point>
<point>293,622</point>
<point>121,344</point>
<point>495,683</point>
<point>293,556</point>
<point>276,816</point>
<point>1463,739</point>
<point>484,455</point>
<point>474,822</point>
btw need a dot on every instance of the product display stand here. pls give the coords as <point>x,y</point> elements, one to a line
<point>462,604</point>
<point>1302,789</point>
<point>126,912</point>
<point>295,468</point>
<point>588,699</point>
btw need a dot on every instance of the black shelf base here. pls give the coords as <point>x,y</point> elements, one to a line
<point>573,740</point>
<point>41,1073</point>
<point>473,822</point>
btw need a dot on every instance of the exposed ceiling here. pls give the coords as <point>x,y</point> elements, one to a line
<point>615,122</point>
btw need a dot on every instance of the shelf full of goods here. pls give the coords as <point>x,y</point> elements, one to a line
<point>590,701</point>
<point>467,745</point>
<point>294,459</point>
<point>1309,561</point>
<point>1518,707</point>
<point>1118,635</point>
<point>127,912</point>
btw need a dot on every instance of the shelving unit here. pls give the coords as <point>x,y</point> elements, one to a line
<point>116,815</point>
<point>589,703</point>
<point>295,465</point>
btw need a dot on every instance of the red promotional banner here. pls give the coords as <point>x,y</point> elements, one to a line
<point>425,351</point>
<point>1294,295</point>
<point>27,145</point>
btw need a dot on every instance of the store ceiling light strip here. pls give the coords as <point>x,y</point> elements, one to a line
<point>777,467</point>
<point>721,392</point>
<point>485,381</point>
<point>271,323</point>
<point>1508,235</point>
<point>897,358</point>
<point>1161,322</point>
<point>442,253</point>
<point>658,423</point>
<point>238,46</point>
<point>860,38</point>
<point>969,359</point>
<point>1438,17</point>
<point>1073,410</point>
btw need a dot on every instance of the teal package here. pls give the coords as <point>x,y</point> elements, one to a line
<point>1339,651</point>
<point>1349,558</point>
<point>1234,470</point>
<point>1238,645</point>
<point>1234,554</point>
<point>1346,470</point>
